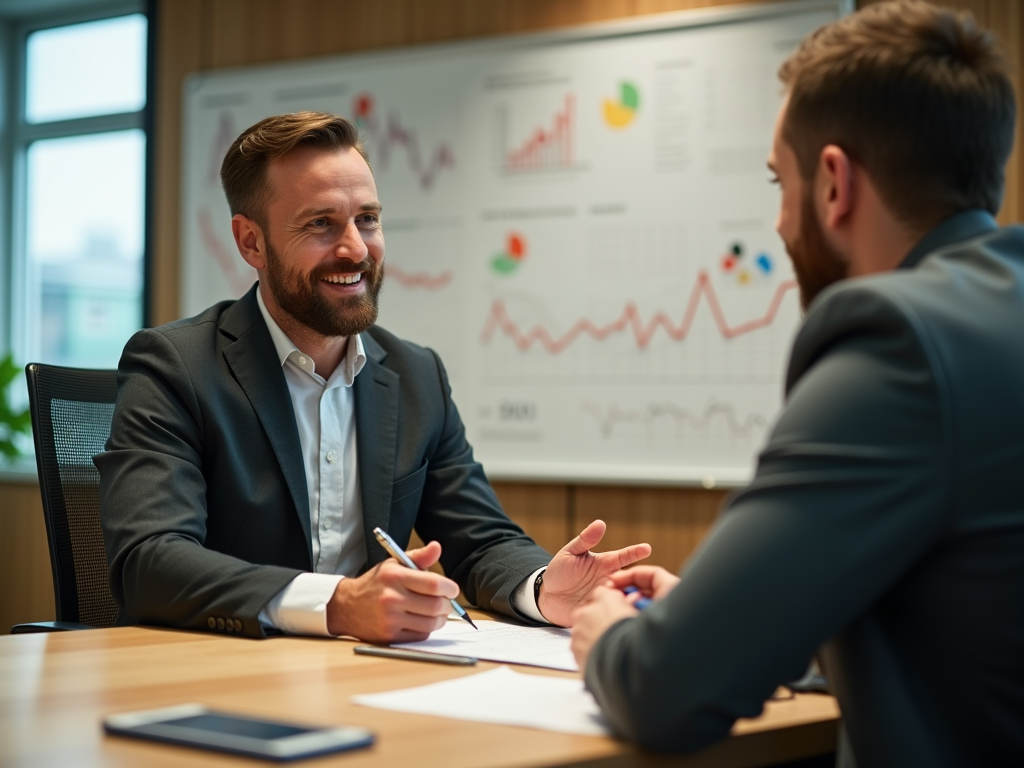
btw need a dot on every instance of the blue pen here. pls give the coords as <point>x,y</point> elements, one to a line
<point>640,604</point>
<point>396,552</point>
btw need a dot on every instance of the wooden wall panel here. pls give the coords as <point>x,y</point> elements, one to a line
<point>1006,17</point>
<point>542,510</point>
<point>672,520</point>
<point>26,583</point>
<point>179,47</point>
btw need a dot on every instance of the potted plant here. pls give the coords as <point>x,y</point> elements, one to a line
<point>12,422</point>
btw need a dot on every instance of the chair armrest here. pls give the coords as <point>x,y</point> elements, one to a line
<point>48,626</point>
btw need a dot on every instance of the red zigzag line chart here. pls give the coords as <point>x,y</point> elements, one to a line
<point>498,320</point>
<point>413,280</point>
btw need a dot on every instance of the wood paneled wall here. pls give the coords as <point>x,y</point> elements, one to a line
<point>196,35</point>
<point>26,583</point>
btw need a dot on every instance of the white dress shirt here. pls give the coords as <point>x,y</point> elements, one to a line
<point>325,418</point>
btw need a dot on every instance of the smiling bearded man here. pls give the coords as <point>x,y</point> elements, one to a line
<point>254,448</point>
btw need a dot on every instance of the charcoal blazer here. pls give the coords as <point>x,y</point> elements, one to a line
<point>203,494</point>
<point>884,530</point>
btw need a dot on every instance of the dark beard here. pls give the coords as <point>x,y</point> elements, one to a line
<point>817,264</point>
<point>299,295</point>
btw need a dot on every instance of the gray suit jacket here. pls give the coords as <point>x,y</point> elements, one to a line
<point>885,527</point>
<point>203,493</point>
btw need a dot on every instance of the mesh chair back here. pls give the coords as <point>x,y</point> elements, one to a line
<point>71,413</point>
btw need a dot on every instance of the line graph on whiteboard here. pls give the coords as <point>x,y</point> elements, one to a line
<point>716,418</point>
<point>703,340</point>
<point>386,135</point>
<point>412,280</point>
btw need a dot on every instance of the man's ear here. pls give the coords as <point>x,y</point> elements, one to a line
<point>250,241</point>
<point>835,187</point>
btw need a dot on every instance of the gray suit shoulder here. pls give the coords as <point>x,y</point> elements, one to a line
<point>940,297</point>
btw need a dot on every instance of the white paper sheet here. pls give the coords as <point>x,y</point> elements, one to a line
<point>497,641</point>
<point>504,697</point>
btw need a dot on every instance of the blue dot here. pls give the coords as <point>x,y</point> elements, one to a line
<point>764,263</point>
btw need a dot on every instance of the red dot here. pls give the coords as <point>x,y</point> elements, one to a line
<point>728,262</point>
<point>363,105</point>
<point>516,247</point>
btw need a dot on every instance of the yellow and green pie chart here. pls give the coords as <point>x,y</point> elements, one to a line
<point>619,113</point>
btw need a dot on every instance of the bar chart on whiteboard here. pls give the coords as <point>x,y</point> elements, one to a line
<point>581,225</point>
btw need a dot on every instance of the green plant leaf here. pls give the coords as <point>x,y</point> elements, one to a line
<point>12,422</point>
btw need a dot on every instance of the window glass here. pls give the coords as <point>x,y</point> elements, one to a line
<point>84,243</point>
<point>87,69</point>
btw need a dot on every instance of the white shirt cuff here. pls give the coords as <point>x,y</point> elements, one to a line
<point>524,601</point>
<point>301,607</point>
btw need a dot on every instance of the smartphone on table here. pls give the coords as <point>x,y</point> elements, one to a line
<point>195,725</point>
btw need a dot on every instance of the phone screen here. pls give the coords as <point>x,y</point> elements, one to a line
<point>237,726</point>
<point>195,725</point>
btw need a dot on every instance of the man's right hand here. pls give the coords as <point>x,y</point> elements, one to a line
<point>391,603</point>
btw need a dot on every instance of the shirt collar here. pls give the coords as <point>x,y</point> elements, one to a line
<point>355,354</point>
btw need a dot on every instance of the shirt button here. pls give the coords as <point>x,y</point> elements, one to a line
<point>331,456</point>
<point>327,523</point>
<point>302,360</point>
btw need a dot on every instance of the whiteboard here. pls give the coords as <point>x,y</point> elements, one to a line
<point>578,222</point>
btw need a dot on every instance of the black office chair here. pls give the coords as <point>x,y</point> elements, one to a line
<point>71,413</point>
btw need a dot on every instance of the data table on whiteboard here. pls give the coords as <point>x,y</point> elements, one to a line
<point>580,223</point>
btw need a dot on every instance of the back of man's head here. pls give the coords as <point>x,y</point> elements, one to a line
<point>243,174</point>
<point>919,96</point>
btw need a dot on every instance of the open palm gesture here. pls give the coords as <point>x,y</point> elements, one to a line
<point>575,570</point>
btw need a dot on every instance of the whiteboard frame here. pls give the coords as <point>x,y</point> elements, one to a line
<point>543,471</point>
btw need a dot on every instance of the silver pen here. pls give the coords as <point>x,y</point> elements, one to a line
<point>396,552</point>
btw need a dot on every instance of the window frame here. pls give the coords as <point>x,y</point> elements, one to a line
<point>17,135</point>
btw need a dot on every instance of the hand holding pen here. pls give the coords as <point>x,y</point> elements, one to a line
<point>399,554</point>
<point>392,603</point>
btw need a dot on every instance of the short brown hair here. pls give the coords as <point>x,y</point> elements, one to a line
<point>244,170</point>
<point>917,95</point>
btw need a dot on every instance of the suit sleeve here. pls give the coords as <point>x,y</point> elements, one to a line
<point>484,551</point>
<point>153,497</point>
<point>849,492</point>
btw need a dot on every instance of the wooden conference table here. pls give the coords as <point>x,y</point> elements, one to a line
<point>55,689</point>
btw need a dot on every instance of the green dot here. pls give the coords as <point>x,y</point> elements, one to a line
<point>503,264</point>
<point>630,96</point>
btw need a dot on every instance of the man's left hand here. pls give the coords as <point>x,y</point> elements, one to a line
<point>605,607</point>
<point>575,570</point>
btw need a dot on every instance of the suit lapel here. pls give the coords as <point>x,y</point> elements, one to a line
<point>376,394</point>
<point>253,360</point>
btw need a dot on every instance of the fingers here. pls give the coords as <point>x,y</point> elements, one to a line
<point>390,602</point>
<point>428,583</point>
<point>425,556</point>
<point>589,538</point>
<point>642,577</point>
<point>631,554</point>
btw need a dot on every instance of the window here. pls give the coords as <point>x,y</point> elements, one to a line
<point>77,188</point>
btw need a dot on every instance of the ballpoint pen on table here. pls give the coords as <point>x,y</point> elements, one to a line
<point>396,552</point>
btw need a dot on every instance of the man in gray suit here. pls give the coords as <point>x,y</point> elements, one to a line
<point>884,528</point>
<point>255,446</point>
